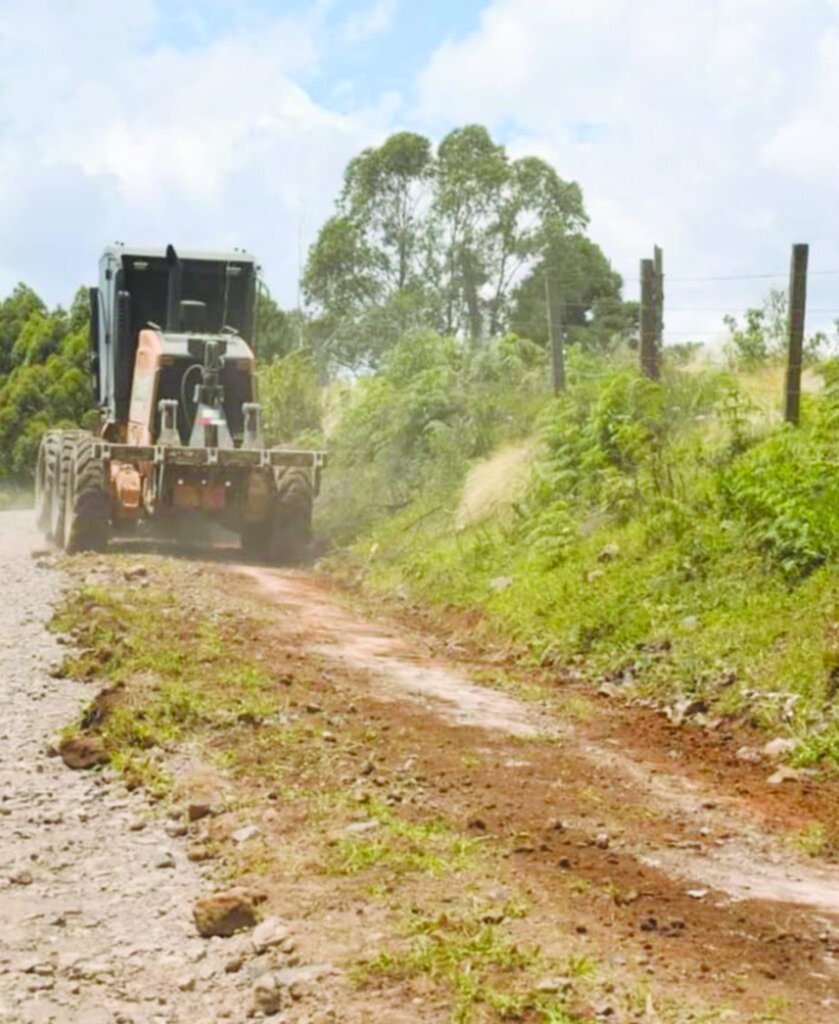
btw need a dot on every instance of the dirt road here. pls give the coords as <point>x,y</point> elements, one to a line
<point>419,813</point>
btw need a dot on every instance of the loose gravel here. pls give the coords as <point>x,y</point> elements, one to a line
<point>95,896</point>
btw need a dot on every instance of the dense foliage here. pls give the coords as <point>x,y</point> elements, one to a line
<point>437,403</point>
<point>43,376</point>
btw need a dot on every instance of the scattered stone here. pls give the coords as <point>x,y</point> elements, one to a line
<point>52,748</point>
<point>609,553</point>
<point>136,572</point>
<point>234,964</point>
<point>136,823</point>
<point>550,986</point>
<point>242,835</point>
<point>269,934</point>
<point>164,859</point>
<point>501,583</point>
<point>690,623</point>
<point>786,774</point>
<point>198,853</point>
<point>267,996</point>
<point>175,829</point>
<point>23,876</point>
<point>748,755</point>
<point>224,913</point>
<point>197,811</point>
<point>779,747</point>
<point>684,709</point>
<point>357,828</point>
<point>697,894</point>
<point>601,840</point>
<point>186,983</point>
<point>80,752</point>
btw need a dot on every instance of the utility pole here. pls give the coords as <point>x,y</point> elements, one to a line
<point>649,356</point>
<point>795,331</point>
<point>554,302</point>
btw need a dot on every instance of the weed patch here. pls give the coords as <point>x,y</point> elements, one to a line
<point>487,974</point>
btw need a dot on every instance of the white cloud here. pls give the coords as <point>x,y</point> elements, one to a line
<point>109,134</point>
<point>710,128</point>
<point>700,126</point>
<point>806,144</point>
<point>372,21</point>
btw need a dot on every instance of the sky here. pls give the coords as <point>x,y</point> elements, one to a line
<point>709,128</point>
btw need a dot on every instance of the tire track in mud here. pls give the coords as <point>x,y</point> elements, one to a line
<point>671,873</point>
<point>751,866</point>
<point>102,935</point>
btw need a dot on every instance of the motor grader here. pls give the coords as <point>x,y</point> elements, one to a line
<point>180,433</point>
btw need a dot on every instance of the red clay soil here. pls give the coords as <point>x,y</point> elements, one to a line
<point>649,846</point>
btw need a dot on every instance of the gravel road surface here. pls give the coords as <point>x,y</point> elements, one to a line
<point>95,893</point>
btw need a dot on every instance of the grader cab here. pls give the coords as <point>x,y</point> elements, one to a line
<point>180,432</point>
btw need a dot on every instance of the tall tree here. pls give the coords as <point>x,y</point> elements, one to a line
<point>593,312</point>
<point>433,239</point>
<point>47,382</point>
<point>384,193</point>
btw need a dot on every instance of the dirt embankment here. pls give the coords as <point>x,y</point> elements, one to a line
<point>441,847</point>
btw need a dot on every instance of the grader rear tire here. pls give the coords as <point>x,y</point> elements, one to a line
<point>292,517</point>
<point>85,523</point>
<point>58,491</point>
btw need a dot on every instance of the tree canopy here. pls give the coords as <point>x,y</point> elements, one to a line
<point>458,240</point>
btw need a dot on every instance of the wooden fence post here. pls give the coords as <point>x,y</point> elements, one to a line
<point>649,356</point>
<point>795,331</point>
<point>658,268</point>
<point>554,301</point>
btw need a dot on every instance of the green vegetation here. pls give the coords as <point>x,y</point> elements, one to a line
<point>672,538</point>
<point>167,677</point>
<point>398,846</point>
<point>486,973</point>
<point>414,427</point>
<point>458,240</point>
<point>43,376</point>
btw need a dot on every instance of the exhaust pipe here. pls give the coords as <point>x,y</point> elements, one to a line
<point>173,294</point>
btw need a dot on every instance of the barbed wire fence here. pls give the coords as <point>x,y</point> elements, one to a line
<point>651,279</point>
